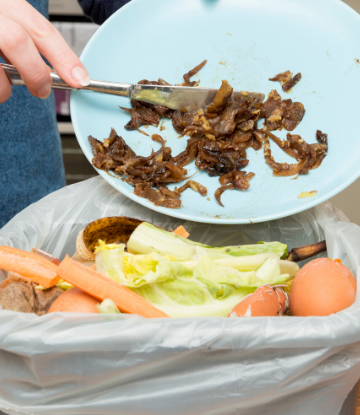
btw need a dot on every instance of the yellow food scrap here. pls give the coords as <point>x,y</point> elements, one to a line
<point>200,111</point>
<point>228,34</point>
<point>222,63</point>
<point>205,123</point>
<point>302,195</point>
<point>210,137</point>
<point>288,285</point>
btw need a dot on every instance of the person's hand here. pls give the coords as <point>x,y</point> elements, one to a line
<point>24,34</point>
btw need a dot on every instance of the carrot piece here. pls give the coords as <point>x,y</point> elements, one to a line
<point>102,287</point>
<point>46,255</point>
<point>30,265</point>
<point>181,231</point>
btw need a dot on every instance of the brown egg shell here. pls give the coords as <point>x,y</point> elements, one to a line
<point>265,301</point>
<point>321,288</point>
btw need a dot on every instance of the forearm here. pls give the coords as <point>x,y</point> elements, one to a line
<point>100,10</point>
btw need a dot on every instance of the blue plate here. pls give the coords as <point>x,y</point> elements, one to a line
<point>245,42</point>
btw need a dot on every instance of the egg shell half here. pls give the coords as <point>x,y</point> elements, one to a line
<point>262,302</point>
<point>322,287</point>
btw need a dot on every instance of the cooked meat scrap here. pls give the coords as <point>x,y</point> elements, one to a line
<point>239,179</point>
<point>195,186</point>
<point>246,126</point>
<point>193,72</point>
<point>259,136</point>
<point>293,116</point>
<point>110,140</point>
<point>158,167</point>
<point>218,192</point>
<point>280,114</point>
<point>156,196</point>
<point>226,123</point>
<point>114,155</point>
<point>240,137</point>
<point>221,98</point>
<point>219,138</point>
<point>270,107</point>
<point>189,154</point>
<point>292,82</point>
<point>282,77</point>
<point>234,180</point>
<point>254,143</point>
<point>220,157</point>
<point>174,194</point>
<point>142,115</point>
<point>322,138</point>
<point>279,169</point>
<point>182,120</point>
<point>157,138</point>
<point>309,156</point>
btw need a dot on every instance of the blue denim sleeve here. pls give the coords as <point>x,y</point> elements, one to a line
<point>100,10</point>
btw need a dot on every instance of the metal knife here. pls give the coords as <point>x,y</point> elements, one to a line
<point>174,97</point>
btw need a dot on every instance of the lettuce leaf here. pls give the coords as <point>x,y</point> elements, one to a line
<point>148,238</point>
<point>207,288</point>
<point>107,307</point>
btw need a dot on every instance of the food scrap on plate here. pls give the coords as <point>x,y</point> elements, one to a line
<point>219,137</point>
<point>287,80</point>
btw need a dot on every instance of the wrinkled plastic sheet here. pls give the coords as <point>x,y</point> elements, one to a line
<point>109,364</point>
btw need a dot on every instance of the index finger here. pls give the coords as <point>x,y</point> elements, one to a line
<point>49,42</point>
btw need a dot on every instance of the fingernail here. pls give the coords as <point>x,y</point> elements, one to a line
<point>44,92</point>
<point>80,75</point>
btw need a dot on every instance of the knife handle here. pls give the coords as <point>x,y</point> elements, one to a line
<point>103,87</point>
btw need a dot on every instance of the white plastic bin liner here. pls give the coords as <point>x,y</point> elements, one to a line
<point>100,364</point>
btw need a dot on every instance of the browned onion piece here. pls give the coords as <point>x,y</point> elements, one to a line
<point>309,156</point>
<point>171,193</point>
<point>293,116</point>
<point>292,82</point>
<point>195,186</point>
<point>193,72</point>
<point>234,180</point>
<point>221,98</point>
<point>157,138</point>
<point>156,196</point>
<point>220,191</point>
<point>321,137</point>
<point>282,77</point>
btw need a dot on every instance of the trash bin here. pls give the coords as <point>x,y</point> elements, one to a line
<point>108,364</point>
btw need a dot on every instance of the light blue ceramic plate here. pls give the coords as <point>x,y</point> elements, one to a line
<point>255,40</point>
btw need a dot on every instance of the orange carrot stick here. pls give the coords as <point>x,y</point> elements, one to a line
<point>181,231</point>
<point>102,287</point>
<point>30,265</point>
<point>46,255</point>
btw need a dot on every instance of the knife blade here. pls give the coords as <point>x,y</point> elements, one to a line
<point>173,97</point>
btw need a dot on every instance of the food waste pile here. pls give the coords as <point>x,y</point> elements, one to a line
<point>219,137</point>
<point>125,265</point>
